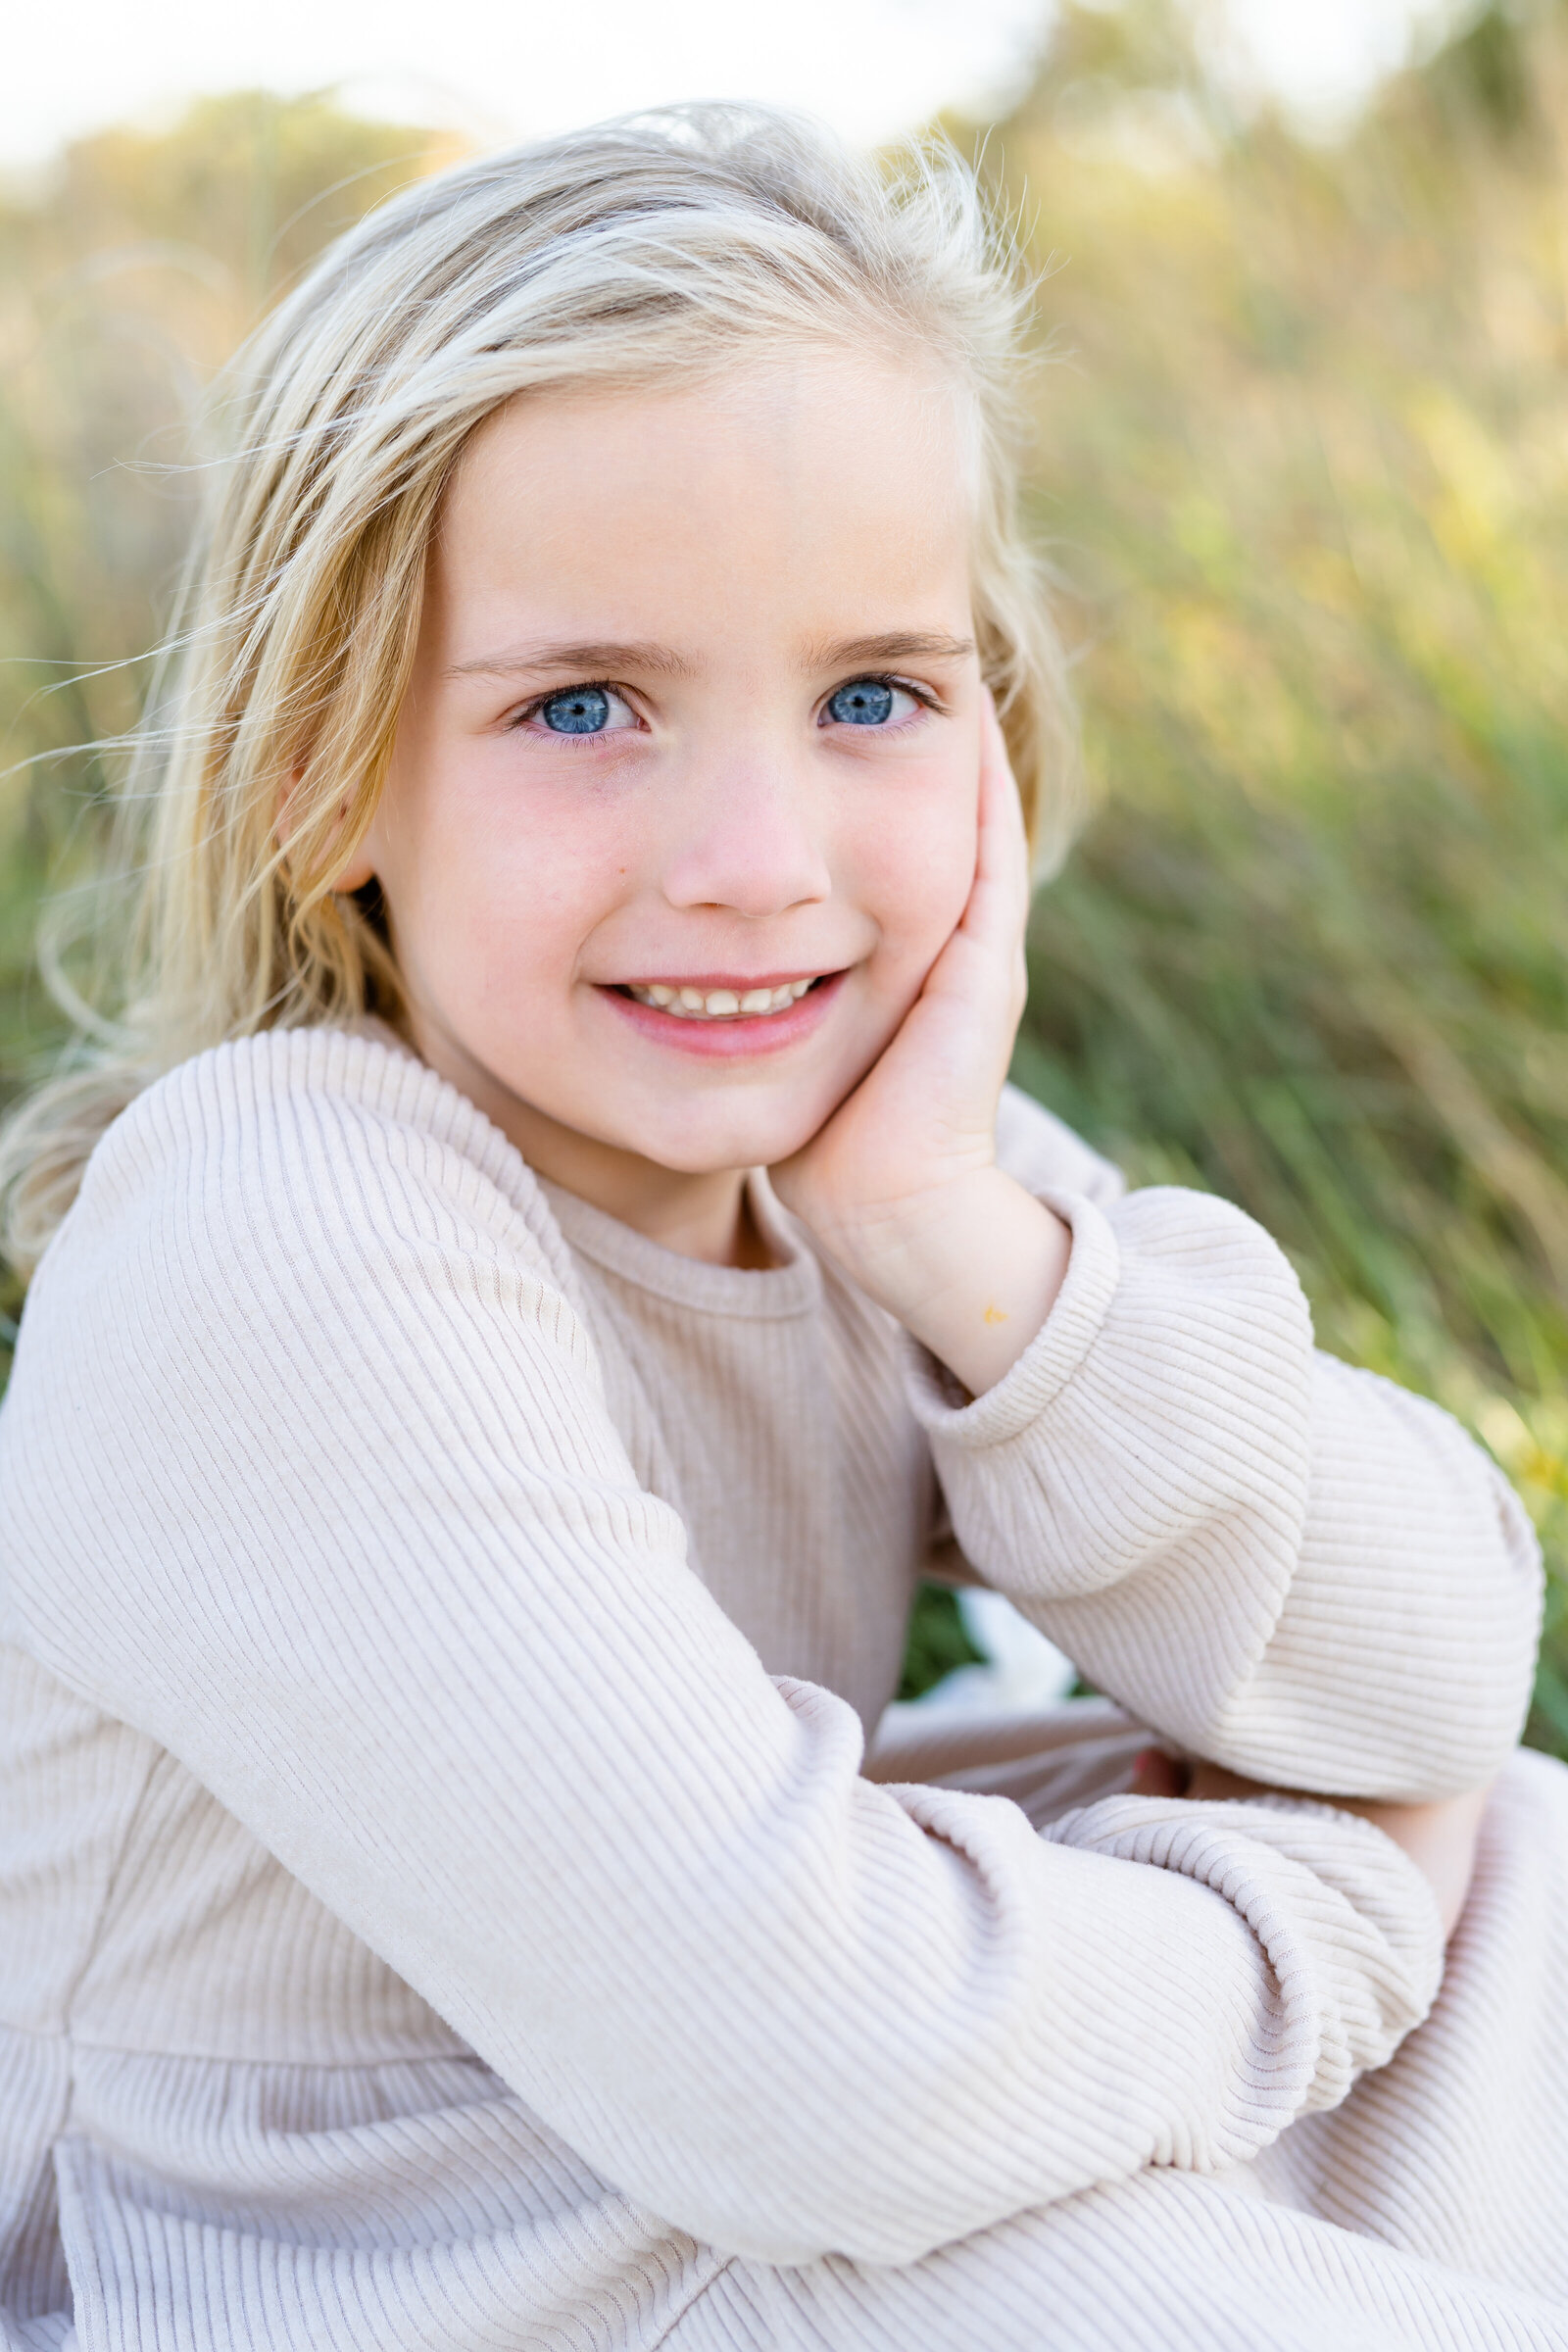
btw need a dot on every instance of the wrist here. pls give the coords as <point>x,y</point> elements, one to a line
<point>1440,1835</point>
<point>970,1269</point>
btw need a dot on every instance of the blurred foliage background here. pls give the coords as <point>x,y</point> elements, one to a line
<point>1303,465</point>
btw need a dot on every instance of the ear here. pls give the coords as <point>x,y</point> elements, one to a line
<point>356,875</point>
<point>360,869</point>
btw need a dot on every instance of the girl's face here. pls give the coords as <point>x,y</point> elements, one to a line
<point>682,804</point>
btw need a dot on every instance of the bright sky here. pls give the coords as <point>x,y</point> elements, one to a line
<point>1323,56</point>
<point>526,66</point>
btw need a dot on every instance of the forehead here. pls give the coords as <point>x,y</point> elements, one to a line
<point>790,486</point>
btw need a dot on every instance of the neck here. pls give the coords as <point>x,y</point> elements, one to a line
<point>705,1216</point>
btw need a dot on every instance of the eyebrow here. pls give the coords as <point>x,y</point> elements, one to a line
<point>595,657</point>
<point>590,658</point>
<point>900,645</point>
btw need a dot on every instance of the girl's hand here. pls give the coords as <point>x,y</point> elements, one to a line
<point>901,1186</point>
<point>1440,1837</point>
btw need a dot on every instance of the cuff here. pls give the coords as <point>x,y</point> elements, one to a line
<point>1348,1924</point>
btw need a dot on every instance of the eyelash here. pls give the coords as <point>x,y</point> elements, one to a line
<point>576,686</point>
<point>868,677</point>
<point>885,677</point>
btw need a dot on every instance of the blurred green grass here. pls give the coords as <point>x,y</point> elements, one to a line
<point>1305,464</point>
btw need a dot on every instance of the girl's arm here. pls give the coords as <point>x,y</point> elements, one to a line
<point>1282,1564</point>
<point>1291,1568</point>
<point>1440,1838</point>
<point>309,1476</point>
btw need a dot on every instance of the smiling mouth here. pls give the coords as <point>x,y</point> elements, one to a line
<point>688,1004</point>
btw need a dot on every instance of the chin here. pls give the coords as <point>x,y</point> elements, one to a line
<point>755,1144</point>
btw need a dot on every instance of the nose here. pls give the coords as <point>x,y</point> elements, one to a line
<point>751,843</point>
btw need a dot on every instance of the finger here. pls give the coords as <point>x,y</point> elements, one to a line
<point>1000,900</point>
<point>1155,1774</point>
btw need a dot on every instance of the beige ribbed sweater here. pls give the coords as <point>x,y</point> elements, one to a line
<point>441,1902</point>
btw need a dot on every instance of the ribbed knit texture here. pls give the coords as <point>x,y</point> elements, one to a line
<point>441,1901</point>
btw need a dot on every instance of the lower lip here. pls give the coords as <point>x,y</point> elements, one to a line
<point>742,1035</point>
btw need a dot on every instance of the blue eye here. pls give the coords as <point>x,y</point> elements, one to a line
<point>580,711</point>
<point>863,702</point>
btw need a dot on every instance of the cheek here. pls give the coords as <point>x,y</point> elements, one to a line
<point>916,870</point>
<point>505,883</point>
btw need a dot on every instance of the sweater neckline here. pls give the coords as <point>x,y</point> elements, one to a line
<point>791,1287</point>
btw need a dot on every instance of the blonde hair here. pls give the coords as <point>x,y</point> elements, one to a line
<point>648,250</point>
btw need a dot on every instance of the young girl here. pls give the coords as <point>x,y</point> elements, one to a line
<point>460,1516</point>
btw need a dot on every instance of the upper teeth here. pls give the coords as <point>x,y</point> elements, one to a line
<point>716,1004</point>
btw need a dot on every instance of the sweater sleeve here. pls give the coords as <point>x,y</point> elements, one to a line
<point>309,1476</point>
<point>1284,1564</point>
